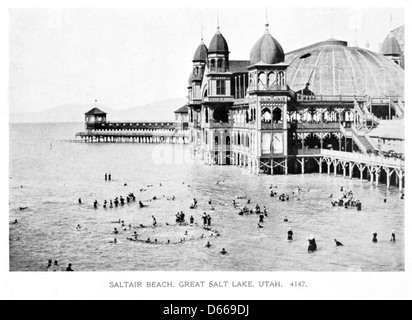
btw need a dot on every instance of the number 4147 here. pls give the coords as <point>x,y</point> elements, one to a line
<point>300,284</point>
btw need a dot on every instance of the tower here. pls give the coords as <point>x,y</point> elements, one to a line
<point>391,49</point>
<point>268,96</point>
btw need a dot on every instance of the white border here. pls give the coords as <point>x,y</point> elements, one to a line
<point>96,285</point>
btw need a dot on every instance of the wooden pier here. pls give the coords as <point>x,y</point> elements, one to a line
<point>97,136</point>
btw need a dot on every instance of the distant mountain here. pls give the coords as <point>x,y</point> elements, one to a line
<point>156,111</point>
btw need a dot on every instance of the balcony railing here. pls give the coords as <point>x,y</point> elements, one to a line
<point>328,98</point>
<point>364,158</point>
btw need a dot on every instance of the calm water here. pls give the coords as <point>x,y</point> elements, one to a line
<point>54,175</point>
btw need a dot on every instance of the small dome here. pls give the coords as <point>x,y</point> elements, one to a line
<point>201,53</point>
<point>267,50</point>
<point>218,44</point>
<point>391,46</point>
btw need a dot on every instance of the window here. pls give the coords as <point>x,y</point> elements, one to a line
<point>212,65</point>
<point>220,87</point>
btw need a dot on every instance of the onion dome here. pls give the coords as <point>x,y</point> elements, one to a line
<point>218,44</point>
<point>267,50</point>
<point>391,46</point>
<point>201,53</point>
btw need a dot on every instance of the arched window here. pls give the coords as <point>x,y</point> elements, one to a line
<point>271,80</point>
<point>247,117</point>
<point>213,65</point>
<point>262,81</point>
<point>220,65</point>
<point>216,141</point>
<point>277,115</point>
<point>238,139</point>
<point>266,115</point>
<point>281,78</point>
<point>228,141</point>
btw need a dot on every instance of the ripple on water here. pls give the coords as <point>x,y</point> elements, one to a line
<point>54,180</point>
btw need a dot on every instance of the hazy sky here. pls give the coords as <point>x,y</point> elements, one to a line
<point>129,57</point>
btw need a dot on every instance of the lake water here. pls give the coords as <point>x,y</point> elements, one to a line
<point>55,174</point>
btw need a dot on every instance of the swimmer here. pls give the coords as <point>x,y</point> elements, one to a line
<point>114,241</point>
<point>78,227</point>
<point>285,219</point>
<point>23,208</point>
<point>80,200</point>
<point>155,241</point>
<point>375,238</point>
<point>56,267</point>
<point>154,221</point>
<point>223,251</point>
<point>15,222</point>
<point>125,184</point>
<point>260,226</point>
<point>69,268</point>
<point>208,245</point>
<point>331,196</point>
<point>290,235</point>
<point>338,244</point>
<point>312,245</point>
<point>192,220</point>
<point>96,204</point>
<point>115,231</point>
<point>393,238</point>
<point>49,265</point>
<point>148,240</point>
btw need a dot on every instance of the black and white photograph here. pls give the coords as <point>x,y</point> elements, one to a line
<point>221,139</point>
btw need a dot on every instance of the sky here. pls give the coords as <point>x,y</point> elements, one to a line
<point>130,57</point>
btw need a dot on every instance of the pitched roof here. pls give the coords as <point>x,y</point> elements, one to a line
<point>201,53</point>
<point>218,44</point>
<point>183,109</point>
<point>391,46</point>
<point>95,112</point>
<point>238,66</point>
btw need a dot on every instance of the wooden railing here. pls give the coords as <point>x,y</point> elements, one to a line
<point>364,158</point>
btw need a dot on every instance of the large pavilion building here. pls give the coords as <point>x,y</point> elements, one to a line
<point>277,112</point>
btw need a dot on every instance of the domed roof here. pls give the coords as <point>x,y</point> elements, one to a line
<point>201,53</point>
<point>391,46</point>
<point>267,50</point>
<point>333,68</point>
<point>218,44</point>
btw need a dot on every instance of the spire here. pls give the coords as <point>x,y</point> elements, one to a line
<point>201,31</point>
<point>218,22</point>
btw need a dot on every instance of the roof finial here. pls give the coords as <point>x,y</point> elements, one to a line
<point>201,30</point>
<point>267,21</point>
<point>218,22</point>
